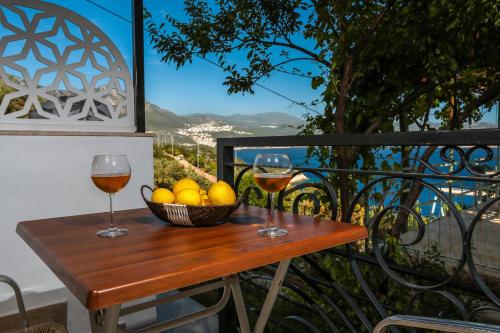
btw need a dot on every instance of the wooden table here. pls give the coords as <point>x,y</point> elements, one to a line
<point>155,258</point>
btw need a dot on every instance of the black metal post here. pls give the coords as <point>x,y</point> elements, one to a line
<point>225,160</point>
<point>225,171</point>
<point>138,51</point>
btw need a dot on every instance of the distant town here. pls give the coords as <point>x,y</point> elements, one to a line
<point>203,133</point>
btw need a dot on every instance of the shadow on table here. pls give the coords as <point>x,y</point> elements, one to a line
<point>245,219</point>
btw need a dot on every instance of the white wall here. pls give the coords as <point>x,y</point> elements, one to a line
<point>49,176</point>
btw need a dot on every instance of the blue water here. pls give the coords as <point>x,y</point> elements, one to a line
<point>298,155</point>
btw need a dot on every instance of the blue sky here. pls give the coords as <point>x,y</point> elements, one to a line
<point>196,87</point>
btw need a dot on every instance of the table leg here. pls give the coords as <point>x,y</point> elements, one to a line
<point>106,323</point>
<point>106,320</point>
<point>93,317</point>
<point>240,307</point>
<point>267,307</point>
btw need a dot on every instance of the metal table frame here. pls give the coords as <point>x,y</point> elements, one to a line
<point>106,320</point>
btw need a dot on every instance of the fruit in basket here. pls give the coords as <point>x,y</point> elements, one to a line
<point>185,183</point>
<point>162,195</point>
<point>188,196</point>
<point>221,193</point>
<point>204,200</point>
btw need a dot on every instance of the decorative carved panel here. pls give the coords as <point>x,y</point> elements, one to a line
<point>60,71</point>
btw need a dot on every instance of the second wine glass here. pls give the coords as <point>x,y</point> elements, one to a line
<point>272,173</point>
<point>110,173</point>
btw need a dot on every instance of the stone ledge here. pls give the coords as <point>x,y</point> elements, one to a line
<point>73,133</point>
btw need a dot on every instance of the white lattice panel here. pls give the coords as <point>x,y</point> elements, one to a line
<point>60,71</point>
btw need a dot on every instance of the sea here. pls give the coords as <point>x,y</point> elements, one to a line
<point>466,194</point>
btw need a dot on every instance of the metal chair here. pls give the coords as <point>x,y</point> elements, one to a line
<point>445,325</point>
<point>45,327</point>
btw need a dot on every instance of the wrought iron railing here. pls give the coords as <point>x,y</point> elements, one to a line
<point>397,269</point>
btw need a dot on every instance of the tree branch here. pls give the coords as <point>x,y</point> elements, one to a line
<point>292,73</point>
<point>490,94</point>
<point>362,43</point>
<point>409,99</point>
<point>281,64</point>
<point>298,48</point>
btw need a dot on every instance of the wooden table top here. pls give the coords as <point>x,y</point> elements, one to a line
<point>155,257</point>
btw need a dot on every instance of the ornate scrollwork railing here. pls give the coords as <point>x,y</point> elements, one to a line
<point>464,161</point>
<point>350,289</point>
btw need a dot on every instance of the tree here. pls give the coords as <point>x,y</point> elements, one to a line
<point>377,63</point>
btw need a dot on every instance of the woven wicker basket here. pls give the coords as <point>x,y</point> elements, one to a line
<point>191,216</point>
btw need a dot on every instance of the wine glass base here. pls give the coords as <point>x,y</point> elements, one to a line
<point>272,232</point>
<point>112,232</point>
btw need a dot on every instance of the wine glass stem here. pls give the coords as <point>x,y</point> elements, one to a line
<point>271,219</point>
<point>111,221</point>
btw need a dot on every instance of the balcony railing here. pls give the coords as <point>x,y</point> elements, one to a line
<point>433,220</point>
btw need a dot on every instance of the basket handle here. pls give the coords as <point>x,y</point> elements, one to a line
<point>142,192</point>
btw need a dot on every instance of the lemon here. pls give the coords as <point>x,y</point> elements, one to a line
<point>162,195</point>
<point>204,200</point>
<point>184,184</point>
<point>188,196</point>
<point>221,193</point>
<point>203,192</point>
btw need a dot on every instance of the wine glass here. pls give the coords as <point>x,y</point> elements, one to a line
<point>110,173</point>
<point>272,172</point>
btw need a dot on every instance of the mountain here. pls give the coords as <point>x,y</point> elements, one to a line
<point>204,128</point>
<point>477,125</point>
<point>480,125</point>
<point>161,119</point>
<point>259,120</point>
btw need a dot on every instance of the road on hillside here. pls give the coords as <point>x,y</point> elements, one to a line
<point>196,170</point>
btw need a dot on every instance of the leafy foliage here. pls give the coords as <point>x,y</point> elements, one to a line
<point>207,158</point>
<point>167,170</point>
